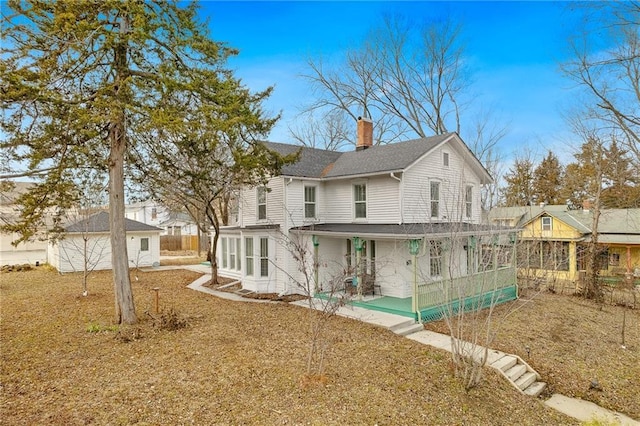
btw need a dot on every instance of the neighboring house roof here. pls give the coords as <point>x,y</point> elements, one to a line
<point>523,214</point>
<point>176,217</point>
<point>620,226</point>
<point>407,230</point>
<point>395,157</point>
<point>99,222</point>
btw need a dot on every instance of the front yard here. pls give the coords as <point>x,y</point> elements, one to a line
<point>63,362</point>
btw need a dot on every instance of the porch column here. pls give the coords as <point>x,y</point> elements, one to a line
<point>414,248</point>
<point>573,261</point>
<point>629,260</point>
<point>357,243</point>
<point>316,243</point>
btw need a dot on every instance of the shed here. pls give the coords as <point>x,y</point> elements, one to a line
<point>88,241</point>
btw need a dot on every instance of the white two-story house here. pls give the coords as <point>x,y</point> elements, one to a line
<point>396,220</point>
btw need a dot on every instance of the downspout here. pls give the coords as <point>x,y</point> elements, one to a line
<point>393,176</point>
<point>285,189</point>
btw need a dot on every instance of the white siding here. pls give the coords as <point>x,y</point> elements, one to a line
<point>383,200</point>
<point>68,254</point>
<point>453,180</point>
<point>28,252</point>
<point>275,203</point>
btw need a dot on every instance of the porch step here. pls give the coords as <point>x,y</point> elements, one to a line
<point>410,329</point>
<point>401,325</point>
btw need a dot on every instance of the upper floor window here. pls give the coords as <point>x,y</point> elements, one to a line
<point>445,159</point>
<point>468,201</point>
<point>547,223</point>
<point>262,202</point>
<point>360,200</point>
<point>434,191</point>
<point>154,213</point>
<point>310,202</point>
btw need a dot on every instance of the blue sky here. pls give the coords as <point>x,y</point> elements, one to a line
<point>514,50</point>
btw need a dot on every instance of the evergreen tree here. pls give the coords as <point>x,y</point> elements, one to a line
<point>86,84</point>
<point>547,180</point>
<point>519,188</point>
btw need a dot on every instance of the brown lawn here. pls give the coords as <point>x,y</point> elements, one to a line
<point>62,362</point>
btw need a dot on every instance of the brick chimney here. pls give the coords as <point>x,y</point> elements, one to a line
<point>365,134</point>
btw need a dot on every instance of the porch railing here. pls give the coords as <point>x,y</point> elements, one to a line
<point>438,293</point>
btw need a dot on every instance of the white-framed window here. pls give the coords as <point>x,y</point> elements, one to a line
<point>144,244</point>
<point>468,201</point>
<point>547,223</point>
<point>154,213</point>
<point>225,253</point>
<point>232,253</point>
<point>238,255</point>
<point>264,257</point>
<point>360,200</point>
<point>434,196</point>
<point>248,255</point>
<point>445,159</point>
<point>310,202</point>
<point>435,258</point>
<point>262,202</point>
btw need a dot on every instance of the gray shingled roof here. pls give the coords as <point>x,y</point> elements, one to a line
<point>99,222</point>
<point>376,159</point>
<point>407,230</point>
<point>311,163</point>
<point>384,158</point>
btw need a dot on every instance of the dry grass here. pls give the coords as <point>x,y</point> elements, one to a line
<point>573,341</point>
<point>63,362</point>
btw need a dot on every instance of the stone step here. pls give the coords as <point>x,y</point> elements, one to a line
<point>516,371</point>
<point>525,380</point>
<point>505,363</point>
<point>410,329</point>
<point>535,389</point>
<point>404,324</point>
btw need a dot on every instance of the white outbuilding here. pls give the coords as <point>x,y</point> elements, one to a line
<point>87,242</point>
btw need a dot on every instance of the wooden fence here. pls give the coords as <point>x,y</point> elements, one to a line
<point>183,242</point>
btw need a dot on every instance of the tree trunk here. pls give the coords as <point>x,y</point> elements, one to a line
<point>125,309</point>
<point>214,258</point>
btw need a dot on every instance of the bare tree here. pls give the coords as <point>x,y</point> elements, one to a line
<point>324,294</point>
<point>411,80</point>
<point>606,65</point>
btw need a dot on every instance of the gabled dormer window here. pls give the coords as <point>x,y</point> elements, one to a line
<point>360,200</point>
<point>434,195</point>
<point>262,202</point>
<point>310,202</point>
<point>547,223</point>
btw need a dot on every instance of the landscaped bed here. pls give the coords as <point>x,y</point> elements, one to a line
<point>64,362</point>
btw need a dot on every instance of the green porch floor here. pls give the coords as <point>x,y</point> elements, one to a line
<point>402,306</point>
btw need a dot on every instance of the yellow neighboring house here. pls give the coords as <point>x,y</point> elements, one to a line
<point>554,240</point>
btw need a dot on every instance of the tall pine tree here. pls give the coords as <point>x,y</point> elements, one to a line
<point>85,85</point>
<point>547,180</point>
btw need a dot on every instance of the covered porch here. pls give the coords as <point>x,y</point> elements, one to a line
<point>435,299</point>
